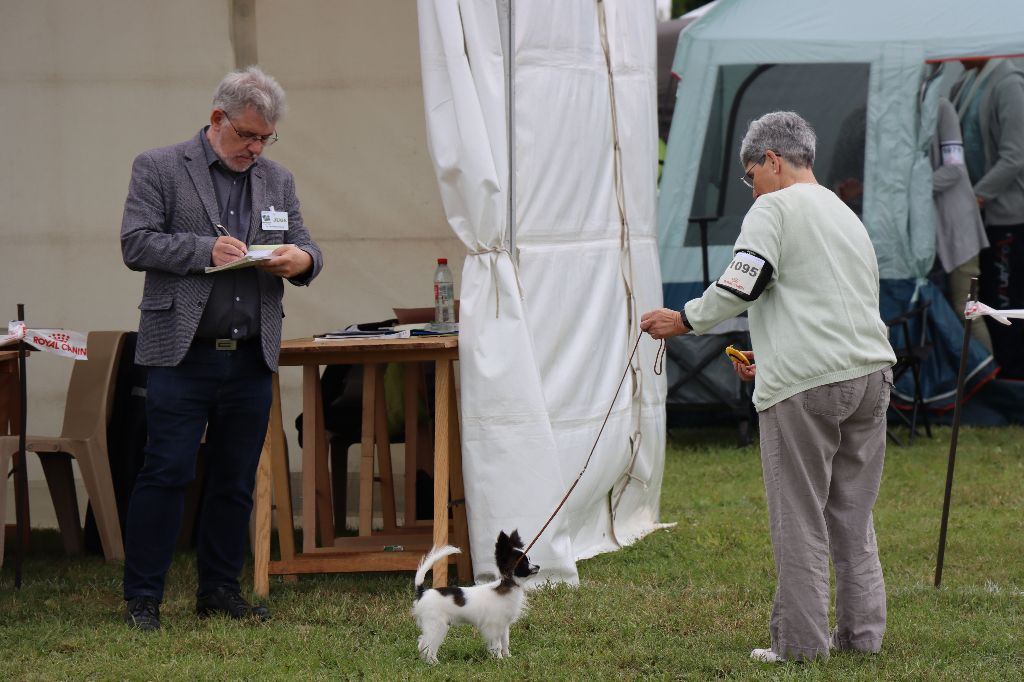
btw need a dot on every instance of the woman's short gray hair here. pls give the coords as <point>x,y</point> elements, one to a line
<point>784,132</point>
<point>251,88</point>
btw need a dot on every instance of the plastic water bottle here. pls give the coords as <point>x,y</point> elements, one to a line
<point>444,298</point>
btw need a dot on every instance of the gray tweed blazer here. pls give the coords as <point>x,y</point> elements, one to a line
<point>168,232</point>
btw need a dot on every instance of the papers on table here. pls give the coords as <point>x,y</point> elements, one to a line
<point>400,331</point>
<point>353,332</point>
<point>429,330</point>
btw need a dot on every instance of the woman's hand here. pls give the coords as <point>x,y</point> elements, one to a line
<point>663,322</point>
<point>745,372</point>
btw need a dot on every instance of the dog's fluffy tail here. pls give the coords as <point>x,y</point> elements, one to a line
<point>433,556</point>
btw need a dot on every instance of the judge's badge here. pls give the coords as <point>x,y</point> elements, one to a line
<point>274,220</point>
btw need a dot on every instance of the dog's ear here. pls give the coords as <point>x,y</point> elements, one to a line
<point>514,539</point>
<point>502,551</point>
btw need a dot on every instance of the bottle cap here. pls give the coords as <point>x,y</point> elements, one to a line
<point>442,261</point>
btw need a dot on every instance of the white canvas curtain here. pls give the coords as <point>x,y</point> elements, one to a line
<point>543,348</point>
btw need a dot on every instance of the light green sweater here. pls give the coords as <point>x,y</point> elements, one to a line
<point>817,321</point>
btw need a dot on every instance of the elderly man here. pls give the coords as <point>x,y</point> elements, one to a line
<point>210,341</point>
<point>805,270</point>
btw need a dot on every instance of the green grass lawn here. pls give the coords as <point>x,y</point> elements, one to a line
<point>685,603</point>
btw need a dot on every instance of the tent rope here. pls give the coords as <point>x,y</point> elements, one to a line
<point>494,252</point>
<point>626,262</point>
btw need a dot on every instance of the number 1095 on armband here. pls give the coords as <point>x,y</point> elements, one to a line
<point>746,275</point>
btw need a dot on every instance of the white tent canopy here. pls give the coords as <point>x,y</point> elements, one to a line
<point>547,325</point>
<point>355,139</point>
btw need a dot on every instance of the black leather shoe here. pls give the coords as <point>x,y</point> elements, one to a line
<point>142,613</point>
<point>230,603</point>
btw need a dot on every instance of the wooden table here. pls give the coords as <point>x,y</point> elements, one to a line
<point>10,393</point>
<point>393,548</point>
<point>10,425</point>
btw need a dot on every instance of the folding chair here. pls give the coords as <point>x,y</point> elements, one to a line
<point>908,335</point>
<point>87,410</point>
<point>700,377</point>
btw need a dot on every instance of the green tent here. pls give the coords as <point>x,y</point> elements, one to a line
<point>867,75</point>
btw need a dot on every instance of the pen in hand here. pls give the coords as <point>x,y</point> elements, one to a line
<point>226,248</point>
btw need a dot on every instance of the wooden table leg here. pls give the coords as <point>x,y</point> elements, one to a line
<point>412,375</point>
<point>282,482</point>
<point>442,412</point>
<point>261,511</point>
<point>312,454</point>
<point>460,524</point>
<point>324,492</point>
<point>272,477</point>
<point>366,452</point>
<point>384,477</point>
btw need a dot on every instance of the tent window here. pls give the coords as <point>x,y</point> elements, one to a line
<point>832,97</point>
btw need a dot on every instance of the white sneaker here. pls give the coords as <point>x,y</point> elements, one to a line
<point>765,656</point>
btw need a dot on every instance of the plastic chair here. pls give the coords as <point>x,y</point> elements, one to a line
<point>87,411</point>
<point>911,354</point>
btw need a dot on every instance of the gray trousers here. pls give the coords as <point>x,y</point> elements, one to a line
<point>960,291</point>
<point>822,452</point>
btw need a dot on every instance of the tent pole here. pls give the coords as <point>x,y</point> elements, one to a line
<point>508,38</point>
<point>953,437</point>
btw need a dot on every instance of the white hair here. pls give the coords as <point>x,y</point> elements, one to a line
<point>251,88</point>
<point>784,132</point>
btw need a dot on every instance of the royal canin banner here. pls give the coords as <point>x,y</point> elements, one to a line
<point>977,309</point>
<point>59,341</point>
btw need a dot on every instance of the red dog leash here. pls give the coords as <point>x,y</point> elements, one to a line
<point>659,360</point>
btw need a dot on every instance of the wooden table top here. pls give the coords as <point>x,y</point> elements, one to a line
<point>312,351</point>
<point>6,355</point>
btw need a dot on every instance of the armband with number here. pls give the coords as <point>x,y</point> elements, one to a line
<point>746,276</point>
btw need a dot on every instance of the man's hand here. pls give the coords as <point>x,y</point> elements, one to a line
<point>745,372</point>
<point>287,261</point>
<point>663,322</point>
<point>227,250</point>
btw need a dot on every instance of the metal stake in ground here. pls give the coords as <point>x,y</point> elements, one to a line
<point>20,469</point>
<point>953,436</point>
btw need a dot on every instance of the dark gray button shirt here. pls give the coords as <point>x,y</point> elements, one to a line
<point>233,309</point>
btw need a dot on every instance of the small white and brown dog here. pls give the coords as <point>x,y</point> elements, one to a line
<point>491,607</point>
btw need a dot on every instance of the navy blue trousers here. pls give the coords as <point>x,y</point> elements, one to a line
<point>227,394</point>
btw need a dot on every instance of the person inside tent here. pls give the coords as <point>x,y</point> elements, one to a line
<point>959,232</point>
<point>989,97</point>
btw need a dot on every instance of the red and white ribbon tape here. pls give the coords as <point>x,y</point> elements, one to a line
<point>977,309</point>
<point>59,341</point>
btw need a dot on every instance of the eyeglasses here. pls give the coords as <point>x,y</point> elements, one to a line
<point>748,177</point>
<point>248,138</point>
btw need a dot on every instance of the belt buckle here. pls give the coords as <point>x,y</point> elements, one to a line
<point>225,344</point>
